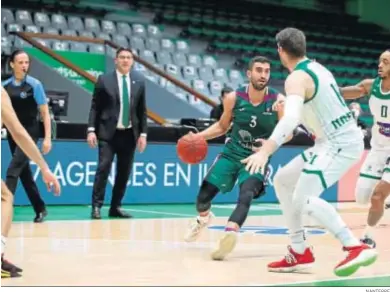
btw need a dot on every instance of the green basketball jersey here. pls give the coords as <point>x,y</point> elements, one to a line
<point>250,123</point>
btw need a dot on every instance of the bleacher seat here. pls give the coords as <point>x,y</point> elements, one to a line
<point>167,45</point>
<point>137,43</point>
<point>189,73</point>
<point>108,27</point>
<point>92,25</point>
<point>163,57</point>
<point>120,40</point>
<point>148,56</point>
<point>60,46</point>
<point>236,78</point>
<point>123,28</point>
<point>78,47</point>
<point>182,46</point>
<point>14,27</point>
<point>206,73</point>
<point>215,88</point>
<point>32,28</point>
<point>103,36</point>
<point>139,30</point>
<point>194,60</point>
<point>75,22</point>
<point>19,43</point>
<point>220,74</point>
<point>96,49</point>
<point>86,34</point>
<point>59,22</point>
<point>69,32</point>
<point>41,19</point>
<point>201,86</point>
<point>23,17</point>
<point>173,70</point>
<point>179,59</point>
<point>6,45</point>
<point>154,32</point>
<point>50,30</point>
<point>152,44</point>
<point>7,16</point>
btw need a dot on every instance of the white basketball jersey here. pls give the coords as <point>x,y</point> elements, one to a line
<point>380,109</point>
<point>326,114</point>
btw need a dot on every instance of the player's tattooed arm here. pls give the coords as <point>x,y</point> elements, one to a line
<point>223,125</point>
<point>357,91</point>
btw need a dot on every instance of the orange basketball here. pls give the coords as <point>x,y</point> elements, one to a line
<point>191,149</point>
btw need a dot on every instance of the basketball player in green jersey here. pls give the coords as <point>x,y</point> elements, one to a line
<point>249,111</point>
<point>313,98</point>
<point>373,185</point>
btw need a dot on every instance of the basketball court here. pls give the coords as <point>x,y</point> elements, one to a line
<point>71,250</point>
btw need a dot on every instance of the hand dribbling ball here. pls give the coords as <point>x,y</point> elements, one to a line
<point>192,149</point>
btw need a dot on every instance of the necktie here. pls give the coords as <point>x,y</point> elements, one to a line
<point>125,103</point>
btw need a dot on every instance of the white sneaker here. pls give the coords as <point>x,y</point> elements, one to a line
<point>196,226</point>
<point>225,246</point>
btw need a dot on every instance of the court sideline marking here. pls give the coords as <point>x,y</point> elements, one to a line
<point>156,212</point>
<point>327,280</point>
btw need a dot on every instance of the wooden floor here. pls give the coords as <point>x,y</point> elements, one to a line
<point>151,252</point>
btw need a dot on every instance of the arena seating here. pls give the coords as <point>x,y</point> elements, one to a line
<point>229,34</point>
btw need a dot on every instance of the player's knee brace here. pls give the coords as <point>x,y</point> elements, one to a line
<point>248,191</point>
<point>206,194</point>
<point>242,208</point>
<point>364,190</point>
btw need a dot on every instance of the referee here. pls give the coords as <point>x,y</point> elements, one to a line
<point>28,97</point>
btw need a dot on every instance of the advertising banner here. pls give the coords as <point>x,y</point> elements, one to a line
<point>158,176</point>
<point>94,64</point>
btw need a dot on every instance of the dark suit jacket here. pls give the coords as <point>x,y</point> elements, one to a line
<point>105,106</point>
<point>216,112</point>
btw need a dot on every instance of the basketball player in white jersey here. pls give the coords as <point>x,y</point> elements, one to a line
<point>24,141</point>
<point>373,185</point>
<point>313,99</point>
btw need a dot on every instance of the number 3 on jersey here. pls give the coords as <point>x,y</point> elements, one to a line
<point>253,122</point>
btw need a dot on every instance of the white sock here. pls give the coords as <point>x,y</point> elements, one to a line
<point>204,219</point>
<point>368,232</point>
<point>3,241</point>
<point>298,243</point>
<point>347,238</point>
<point>328,217</point>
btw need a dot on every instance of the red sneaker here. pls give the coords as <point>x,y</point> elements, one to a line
<point>358,256</point>
<point>293,262</point>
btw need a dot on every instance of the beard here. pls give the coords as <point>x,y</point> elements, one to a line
<point>259,86</point>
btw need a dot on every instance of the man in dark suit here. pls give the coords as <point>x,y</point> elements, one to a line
<point>117,124</point>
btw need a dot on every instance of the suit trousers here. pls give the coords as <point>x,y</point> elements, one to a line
<point>122,145</point>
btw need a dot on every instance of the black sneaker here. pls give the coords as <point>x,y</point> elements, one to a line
<point>387,206</point>
<point>9,270</point>
<point>368,241</point>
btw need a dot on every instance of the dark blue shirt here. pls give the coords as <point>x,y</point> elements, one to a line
<point>26,97</point>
